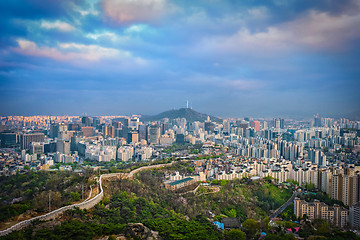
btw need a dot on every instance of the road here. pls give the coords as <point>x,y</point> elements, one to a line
<point>285,205</point>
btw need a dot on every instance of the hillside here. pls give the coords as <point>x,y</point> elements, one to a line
<point>189,114</point>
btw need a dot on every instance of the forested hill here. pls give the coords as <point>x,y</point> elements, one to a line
<point>188,113</point>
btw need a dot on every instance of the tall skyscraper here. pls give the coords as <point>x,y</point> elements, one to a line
<point>255,125</point>
<point>279,123</point>
<point>154,134</point>
<point>86,121</point>
<point>317,121</point>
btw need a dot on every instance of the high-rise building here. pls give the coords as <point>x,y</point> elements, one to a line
<point>209,126</point>
<point>96,122</point>
<point>134,122</point>
<point>88,131</point>
<point>63,146</point>
<point>74,127</point>
<point>8,139</point>
<point>317,121</point>
<point>37,148</point>
<point>50,147</point>
<point>255,125</point>
<point>124,121</point>
<point>133,137</point>
<point>142,132</point>
<point>154,134</point>
<point>354,216</point>
<point>345,188</point>
<point>279,123</point>
<point>180,138</point>
<point>27,138</point>
<point>86,121</point>
<point>54,130</point>
<point>109,131</point>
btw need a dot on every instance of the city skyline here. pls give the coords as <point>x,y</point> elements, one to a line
<point>102,57</point>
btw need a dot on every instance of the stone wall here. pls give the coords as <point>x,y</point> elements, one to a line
<point>87,204</point>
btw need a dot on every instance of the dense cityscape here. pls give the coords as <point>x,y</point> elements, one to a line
<point>179,120</point>
<point>309,156</point>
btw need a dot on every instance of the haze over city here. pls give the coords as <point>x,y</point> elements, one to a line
<point>230,58</point>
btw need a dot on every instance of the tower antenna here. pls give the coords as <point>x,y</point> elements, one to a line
<point>187,103</point>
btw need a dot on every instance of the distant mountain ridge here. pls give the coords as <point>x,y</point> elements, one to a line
<point>188,113</point>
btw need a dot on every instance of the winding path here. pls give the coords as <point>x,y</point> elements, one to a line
<point>87,204</point>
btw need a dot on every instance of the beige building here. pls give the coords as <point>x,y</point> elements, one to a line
<point>336,215</point>
<point>345,188</point>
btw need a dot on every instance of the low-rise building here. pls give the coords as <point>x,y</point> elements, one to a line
<point>179,183</point>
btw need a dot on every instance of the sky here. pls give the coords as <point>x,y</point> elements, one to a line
<point>259,58</point>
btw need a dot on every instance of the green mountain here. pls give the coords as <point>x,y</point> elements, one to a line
<point>189,114</point>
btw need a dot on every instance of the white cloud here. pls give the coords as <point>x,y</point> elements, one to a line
<point>88,12</point>
<point>61,26</point>
<point>107,36</point>
<point>75,52</point>
<point>313,31</point>
<point>136,28</point>
<point>133,11</point>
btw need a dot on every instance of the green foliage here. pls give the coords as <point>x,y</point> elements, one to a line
<point>207,157</point>
<point>223,182</point>
<point>175,228</point>
<point>73,229</point>
<point>234,234</point>
<point>12,210</point>
<point>309,186</point>
<point>288,213</point>
<point>280,236</point>
<point>294,182</point>
<point>125,207</point>
<point>322,197</point>
<point>215,182</point>
<point>145,200</point>
<point>175,147</point>
<point>269,178</point>
<point>34,187</point>
<point>231,213</point>
<point>75,196</point>
<point>251,227</point>
<point>322,227</point>
<point>271,197</point>
<point>266,222</point>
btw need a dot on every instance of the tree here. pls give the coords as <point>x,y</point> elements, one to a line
<point>223,182</point>
<point>234,234</point>
<point>231,213</point>
<point>215,182</point>
<point>75,196</point>
<point>251,227</point>
<point>266,222</point>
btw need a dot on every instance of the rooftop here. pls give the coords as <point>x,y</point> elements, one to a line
<point>180,181</point>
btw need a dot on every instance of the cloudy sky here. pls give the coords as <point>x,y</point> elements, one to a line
<point>229,58</point>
